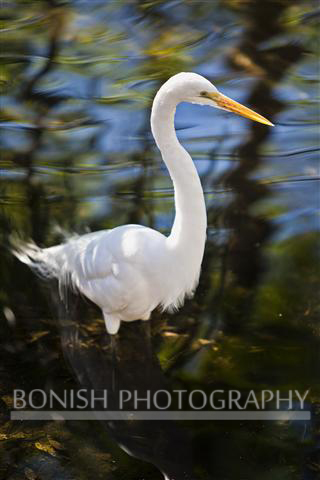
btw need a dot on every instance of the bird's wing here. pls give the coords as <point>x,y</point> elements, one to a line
<point>91,255</point>
<point>91,265</point>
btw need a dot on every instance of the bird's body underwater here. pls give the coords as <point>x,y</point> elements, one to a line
<point>130,270</point>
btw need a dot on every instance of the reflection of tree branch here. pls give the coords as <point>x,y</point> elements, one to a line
<point>39,218</point>
<point>140,206</point>
<point>55,18</point>
<point>250,232</point>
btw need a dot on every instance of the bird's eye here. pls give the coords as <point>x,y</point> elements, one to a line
<point>203,94</point>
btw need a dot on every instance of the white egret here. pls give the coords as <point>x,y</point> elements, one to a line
<point>130,270</point>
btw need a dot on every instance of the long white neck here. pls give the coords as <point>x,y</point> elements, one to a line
<point>188,233</point>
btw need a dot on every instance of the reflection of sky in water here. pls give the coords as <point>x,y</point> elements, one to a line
<point>201,130</point>
<point>105,145</point>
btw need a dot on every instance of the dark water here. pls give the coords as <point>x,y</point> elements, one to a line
<point>78,78</point>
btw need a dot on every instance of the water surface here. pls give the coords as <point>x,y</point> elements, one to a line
<point>78,79</point>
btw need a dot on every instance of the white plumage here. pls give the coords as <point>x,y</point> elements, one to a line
<point>130,270</point>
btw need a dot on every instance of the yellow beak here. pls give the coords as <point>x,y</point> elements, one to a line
<point>226,103</point>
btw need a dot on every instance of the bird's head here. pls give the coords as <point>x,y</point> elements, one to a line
<point>193,88</point>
